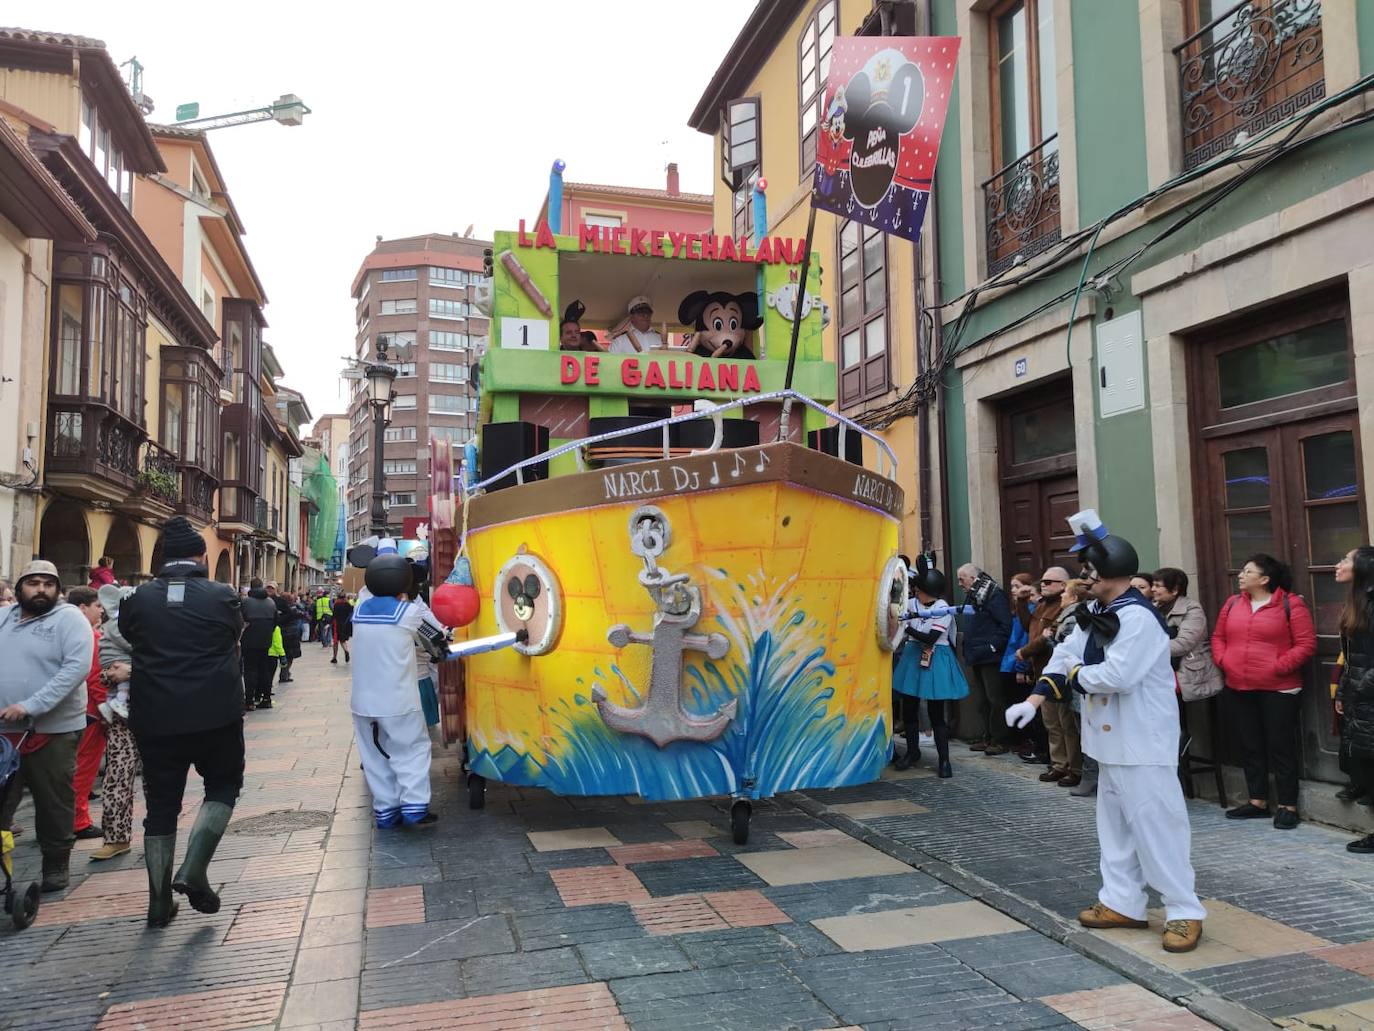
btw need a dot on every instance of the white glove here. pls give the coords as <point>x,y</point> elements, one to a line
<point>1020,714</point>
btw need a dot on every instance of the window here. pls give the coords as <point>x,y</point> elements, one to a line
<point>813,49</point>
<point>472,403</point>
<point>739,140</point>
<point>603,221</point>
<point>446,403</point>
<point>398,465</point>
<point>207,305</point>
<point>67,368</point>
<point>99,327</point>
<point>405,369</point>
<point>863,313</point>
<point>231,456</point>
<point>198,187</point>
<point>1023,82</point>
<point>445,341</point>
<point>445,373</point>
<point>457,436</point>
<point>448,277</point>
<point>404,401</point>
<point>399,306</point>
<point>398,275</point>
<point>393,433</point>
<point>87,131</point>
<point>743,220</point>
<point>1021,200</point>
<point>444,309</point>
<point>173,403</point>
<point>401,499</point>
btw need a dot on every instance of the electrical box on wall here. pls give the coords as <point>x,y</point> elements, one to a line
<point>1120,368</point>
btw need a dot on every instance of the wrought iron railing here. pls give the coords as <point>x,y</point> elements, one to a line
<point>197,492</point>
<point>116,446</point>
<point>159,475</point>
<point>260,514</point>
<point>1247,70</point>
<point>1021,203</point>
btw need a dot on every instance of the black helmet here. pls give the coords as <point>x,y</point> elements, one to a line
<point>1110,556</point>
<point>388,575</point>
<point>927,579</point>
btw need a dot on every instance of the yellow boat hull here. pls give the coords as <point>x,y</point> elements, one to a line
<point>788,557</point>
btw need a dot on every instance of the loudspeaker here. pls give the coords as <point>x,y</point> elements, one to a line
<point>505,443</point>
<point>828,440</point>
<point>699,434</point>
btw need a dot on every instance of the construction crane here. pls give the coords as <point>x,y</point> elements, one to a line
<point>287,109</point>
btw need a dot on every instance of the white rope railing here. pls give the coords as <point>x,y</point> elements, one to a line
<point>578,447</point>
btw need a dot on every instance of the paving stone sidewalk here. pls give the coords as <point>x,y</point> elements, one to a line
<point>1290,929</point>
<point>545,912</point>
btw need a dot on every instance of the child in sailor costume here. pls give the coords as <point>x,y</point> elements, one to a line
<point>1117,660</point>
<point>928,668</point>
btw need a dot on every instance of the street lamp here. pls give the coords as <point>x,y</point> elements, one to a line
<point>380,375</point>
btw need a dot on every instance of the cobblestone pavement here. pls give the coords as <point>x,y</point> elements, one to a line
<point>543,912</point>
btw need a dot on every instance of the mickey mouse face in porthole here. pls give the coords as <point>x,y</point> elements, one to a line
<point>882,103</point>
<point>528,597</point>
<point>893,597</point>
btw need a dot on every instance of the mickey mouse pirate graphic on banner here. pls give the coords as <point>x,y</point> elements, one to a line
<point>880,131</point>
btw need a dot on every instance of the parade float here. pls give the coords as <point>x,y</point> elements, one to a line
<point>698,554</point>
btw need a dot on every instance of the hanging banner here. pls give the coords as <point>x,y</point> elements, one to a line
<point>880,132</point>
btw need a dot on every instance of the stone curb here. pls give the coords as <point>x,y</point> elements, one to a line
<point>1223,1012</point>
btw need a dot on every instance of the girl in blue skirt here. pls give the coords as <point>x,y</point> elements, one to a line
<point>928,668</point>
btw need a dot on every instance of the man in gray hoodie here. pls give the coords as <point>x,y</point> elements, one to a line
<point>47,645</point>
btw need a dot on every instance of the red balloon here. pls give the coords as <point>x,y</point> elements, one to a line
<point>455,604</point>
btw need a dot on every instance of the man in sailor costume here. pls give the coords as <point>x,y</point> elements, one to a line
<point>387,722</point>
<point>1117,660</point>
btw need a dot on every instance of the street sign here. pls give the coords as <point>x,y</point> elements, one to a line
<point>187,111</point>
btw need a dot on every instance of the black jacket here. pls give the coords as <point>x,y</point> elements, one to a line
<point>287,618</point>
<point>260,618</point>
<point>186,660</point>
<point>1356,695</point>
<point>989,630</point>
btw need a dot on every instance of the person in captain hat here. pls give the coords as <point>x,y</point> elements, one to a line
<point>639,334</point>
<point>1117,659</point>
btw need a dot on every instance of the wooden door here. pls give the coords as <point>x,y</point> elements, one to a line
<point>1035,525</point>
<point>1038,474</point>
<point>1292,491</point>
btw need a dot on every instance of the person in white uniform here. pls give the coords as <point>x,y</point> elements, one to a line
<point>639,335</point>
<point>1117,660</point>
<point>387,722</point>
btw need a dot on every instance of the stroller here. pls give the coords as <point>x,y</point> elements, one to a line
<point>22,908</point>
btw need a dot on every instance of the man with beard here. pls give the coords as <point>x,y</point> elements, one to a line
<point>47,646</point>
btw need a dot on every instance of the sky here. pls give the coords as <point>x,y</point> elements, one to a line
<point>426,117</point>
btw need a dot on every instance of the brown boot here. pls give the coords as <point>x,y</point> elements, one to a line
<point>1104,918</point>
<point>1052,775</point>
<point>1182,935</point>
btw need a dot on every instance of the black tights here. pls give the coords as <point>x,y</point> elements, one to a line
<point>911,715</point>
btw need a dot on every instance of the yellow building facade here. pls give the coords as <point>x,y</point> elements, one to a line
<point>769,85</point>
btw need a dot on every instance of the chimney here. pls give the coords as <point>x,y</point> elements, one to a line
<point>673,189</point>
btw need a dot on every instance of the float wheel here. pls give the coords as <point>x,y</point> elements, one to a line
<point>740,813</point>
<point>477,791</point>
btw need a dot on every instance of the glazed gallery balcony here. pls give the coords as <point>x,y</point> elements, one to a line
<point>97,454</point>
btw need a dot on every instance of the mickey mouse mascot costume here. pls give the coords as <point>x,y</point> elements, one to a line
<point>1117,658</point>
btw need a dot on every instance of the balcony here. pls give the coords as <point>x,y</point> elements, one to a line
<point>1249,69</point>
<point>197,494</point>
<point>260,515</point>
<point>1021,203</point>
<point>93,451</point>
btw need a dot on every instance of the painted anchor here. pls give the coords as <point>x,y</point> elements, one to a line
<point>660,716</point>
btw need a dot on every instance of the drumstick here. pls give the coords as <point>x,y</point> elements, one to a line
<point>527,284</point>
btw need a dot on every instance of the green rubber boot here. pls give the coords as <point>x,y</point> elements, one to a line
<point>191,879</point>
<point>157,855</point>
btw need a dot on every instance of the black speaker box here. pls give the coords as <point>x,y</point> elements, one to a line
<point>699,434</point>
<point>505,443</point>
<point>828,440</point>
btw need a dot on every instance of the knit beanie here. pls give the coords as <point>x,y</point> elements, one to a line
<point>180,540</point>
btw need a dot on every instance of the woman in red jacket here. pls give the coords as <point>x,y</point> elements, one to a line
<point>1262,642</point>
